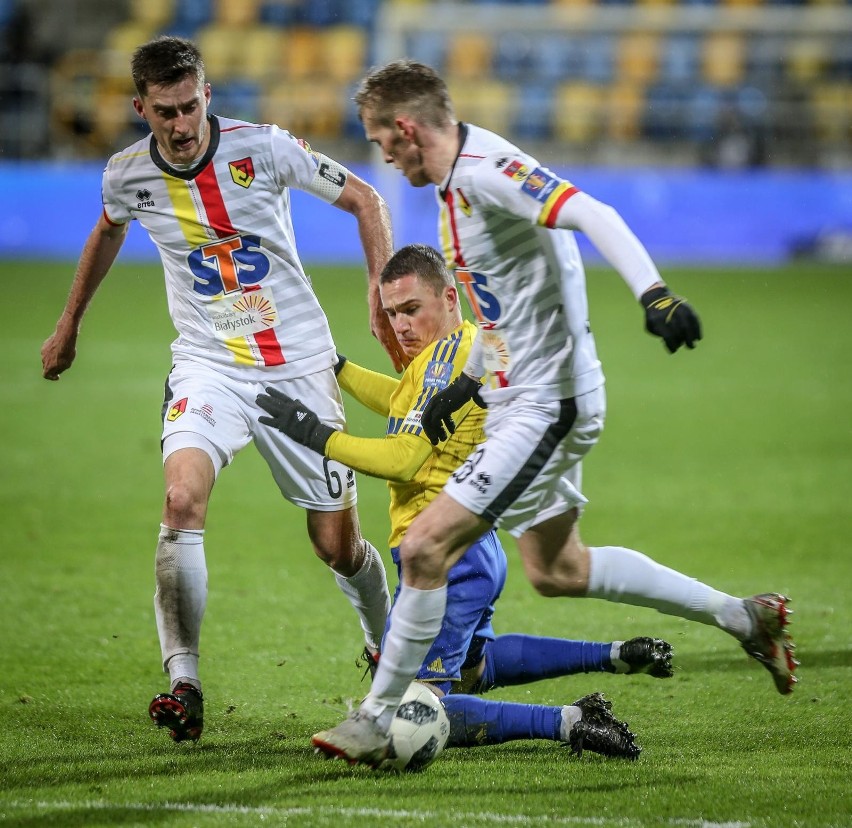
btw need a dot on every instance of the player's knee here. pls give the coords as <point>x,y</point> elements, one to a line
<point>421,560</point>
<point>183,507</point>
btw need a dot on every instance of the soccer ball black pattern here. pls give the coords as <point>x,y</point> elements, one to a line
<point>419,731</point>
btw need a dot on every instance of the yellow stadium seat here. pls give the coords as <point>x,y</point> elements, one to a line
<point>723,57</point>
<point>237,12</point>
<point>222,51</point>
<point>119,45</point>
<point>303,57</point>
<point>806,59</point>
<point>626,103</point>
<point>469,55</point>
<point>579,112</point>
<point>832,108</point>
<point>637,56</point>
<point>154,13</point>
<point>261,52</point>
<point>486,103</point>
<point>344,49</point>
<point>311,109</point>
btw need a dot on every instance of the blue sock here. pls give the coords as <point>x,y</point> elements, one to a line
<point>475,721</point>
<point>520,659</point>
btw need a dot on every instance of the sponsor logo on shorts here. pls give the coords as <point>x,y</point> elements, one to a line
<point>176,410</point>
<point>480,482</point>
<point>205,412</point>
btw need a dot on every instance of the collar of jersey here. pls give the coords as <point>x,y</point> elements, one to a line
<point>188,175</point>
<point>462,138</point>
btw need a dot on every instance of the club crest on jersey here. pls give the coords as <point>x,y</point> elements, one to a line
<point>242,171</point>
<point>540,184</point>
<point>438,375</point>
<point>517,170</point>
<point>176,410</point>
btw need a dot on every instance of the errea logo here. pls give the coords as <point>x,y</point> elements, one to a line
<point>143,198</point>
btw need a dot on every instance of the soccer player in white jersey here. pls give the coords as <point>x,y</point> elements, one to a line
<point>506,225</point>
<point>466,659</point>
<point>213,193</point>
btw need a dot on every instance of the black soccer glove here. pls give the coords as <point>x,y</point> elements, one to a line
<point>295,419</point>
<point>436,420</point>
<point>338,366</point>
<point>671,318</point>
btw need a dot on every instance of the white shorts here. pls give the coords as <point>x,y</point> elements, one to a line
<point>203,409</point>
<point>529,468</point>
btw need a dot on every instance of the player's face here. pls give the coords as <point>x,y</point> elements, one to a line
<point>400,148</point>
<point>417,315</point>
<point>177,115</point>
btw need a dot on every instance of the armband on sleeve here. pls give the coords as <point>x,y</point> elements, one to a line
<point>329,179</point>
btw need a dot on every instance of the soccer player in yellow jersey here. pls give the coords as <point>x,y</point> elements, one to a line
<point>421,300</point>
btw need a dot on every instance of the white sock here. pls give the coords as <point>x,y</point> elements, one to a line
<point>570,716</point>
<point>415,622</point>
<point>367,591</point>
<point>180,600</point>
<point>629,577</point>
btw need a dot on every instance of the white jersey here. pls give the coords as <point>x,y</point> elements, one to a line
<point>524,280</point>
<point>237,294</point>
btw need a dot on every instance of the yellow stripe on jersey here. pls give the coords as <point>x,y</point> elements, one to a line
<point>548,214</point>
<point>240,348</point>
<point>446,236</point>
<point>186,211</point>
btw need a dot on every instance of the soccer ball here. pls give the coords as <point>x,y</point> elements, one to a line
<point>419,731</point>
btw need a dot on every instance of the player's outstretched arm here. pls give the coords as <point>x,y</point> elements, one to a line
<point>99,252</point>
<point>667,316</point>
<point>398,458</point>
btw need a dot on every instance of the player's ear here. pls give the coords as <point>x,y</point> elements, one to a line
<point>140,111</point>
<point>451,295</point>
<point>406,126</point>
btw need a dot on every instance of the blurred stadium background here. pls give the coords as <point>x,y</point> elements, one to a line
<point>721,129</point>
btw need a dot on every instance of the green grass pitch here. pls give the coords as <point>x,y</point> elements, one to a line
<point>731,463</point>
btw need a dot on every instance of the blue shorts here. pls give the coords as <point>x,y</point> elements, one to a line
<point>474,584</point>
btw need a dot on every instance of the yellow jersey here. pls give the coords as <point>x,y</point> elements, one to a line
<point>415,469</point>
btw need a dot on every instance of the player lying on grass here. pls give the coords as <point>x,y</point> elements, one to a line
<point>419,296</point>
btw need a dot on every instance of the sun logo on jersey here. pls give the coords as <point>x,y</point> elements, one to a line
<point>242,172</point>
<point>254,301</point>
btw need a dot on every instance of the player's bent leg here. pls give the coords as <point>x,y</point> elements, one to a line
<point>189,475</point>
<point>587,724</point>
<point>556,561</point>
<point>436,539</point>
<point>357,566</point>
